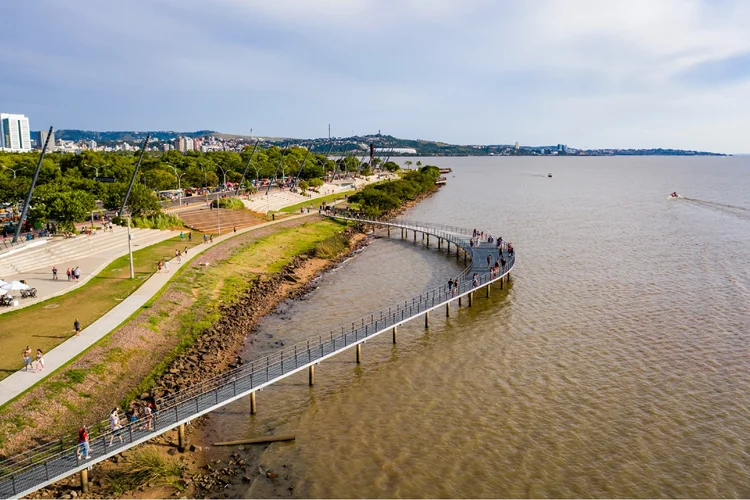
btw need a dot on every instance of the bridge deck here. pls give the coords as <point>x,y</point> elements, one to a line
<point>23,474</point>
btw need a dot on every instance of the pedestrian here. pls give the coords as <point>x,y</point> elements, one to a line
<point>235,229</point>
<point>68,273</point>
<point>133,419</point>
<point>190,236</point>
<point>211,238</point>
<point>83,443</point>
<point>148,417</point>
<point>179,257</point>
<point>489,262</point>
<point>158,267</point>
<point>185,252</point>
<point>166,266</point>
<point>54,272</point>
<point>77,273</point>
<point>26,354</point>
<point>39,361</point>
<point>77,327</point>
<point>114,424</point>
<point>205,238</point>
<point>475,280</point>
<point>182,236</point>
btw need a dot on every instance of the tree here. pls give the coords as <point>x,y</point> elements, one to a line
<point>391,166</point>
<point>69,207</point>
<point>408,163</point>
<point>160,180</point>
<point>142,201</point>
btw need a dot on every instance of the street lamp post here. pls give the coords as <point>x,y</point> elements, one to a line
<point>179,185</point>
<point>14,170</point>
<point>130,251</point>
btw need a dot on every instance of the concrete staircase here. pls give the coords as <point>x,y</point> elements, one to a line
<point>59,250</point>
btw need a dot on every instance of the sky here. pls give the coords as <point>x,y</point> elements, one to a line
<point>586,73</point>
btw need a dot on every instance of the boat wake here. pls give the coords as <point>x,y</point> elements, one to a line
<point>736,210</point>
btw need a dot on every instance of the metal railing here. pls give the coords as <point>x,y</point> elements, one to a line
<point>45,464</point>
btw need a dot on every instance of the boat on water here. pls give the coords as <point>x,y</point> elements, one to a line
<point>446,170</point>
<point>549,175</point>
<point>673,196</point>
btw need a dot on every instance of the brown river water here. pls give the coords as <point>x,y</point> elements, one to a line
<point>614,365</point>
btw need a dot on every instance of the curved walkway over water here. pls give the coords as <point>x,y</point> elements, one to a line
<point>46,464</point>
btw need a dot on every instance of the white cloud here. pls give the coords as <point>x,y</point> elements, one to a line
<point>585,72</point>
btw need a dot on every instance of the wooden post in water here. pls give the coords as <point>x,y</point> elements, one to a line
<point>395,333</point>
<point>427,319</point>
<point>311,375</point>
<point>359,353</point>
<point>471,298</point>
<point>447,309</point>
<point>459,301</point>
<point>389,231</point>
<point>488,290</point>
<point>253,405</point>
<point>181,438</point>
<point>501,283</point>
<point>85,480</point>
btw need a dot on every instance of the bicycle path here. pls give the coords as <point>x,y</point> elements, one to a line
<point>21,381</point>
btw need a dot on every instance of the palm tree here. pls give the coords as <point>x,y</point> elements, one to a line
<point>408,164</point>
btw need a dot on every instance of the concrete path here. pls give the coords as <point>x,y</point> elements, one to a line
<point>21,381</point>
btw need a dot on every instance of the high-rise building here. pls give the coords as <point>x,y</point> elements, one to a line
<point>14,133</point>
<point>42,136</point>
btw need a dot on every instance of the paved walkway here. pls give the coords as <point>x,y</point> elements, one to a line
<point>21,381</point>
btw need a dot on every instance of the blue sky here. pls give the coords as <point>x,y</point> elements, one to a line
<point>588,73</point>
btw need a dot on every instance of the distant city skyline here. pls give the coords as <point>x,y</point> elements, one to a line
<point>615,74</point>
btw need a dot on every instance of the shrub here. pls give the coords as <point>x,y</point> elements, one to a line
<point>315,182</point>
<point>145,465</point>
<point>332,247</point>
<point>229,203</point>
<point>158,221</point>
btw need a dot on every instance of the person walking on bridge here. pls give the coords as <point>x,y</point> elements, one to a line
<point>83,444</point>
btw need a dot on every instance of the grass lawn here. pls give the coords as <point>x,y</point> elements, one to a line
<point>315,202</point>
<point>47,324</point>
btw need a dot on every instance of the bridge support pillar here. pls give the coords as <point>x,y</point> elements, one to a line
<point>389,231</point>
<point>457,247</point>
<point>488,290</point>
<point>359,353</point>
<point>501,283</point>
<point>471,298</point>
<point>428,241</point>
<point>466,254</point>
<point>253,404</point>
<point>448,310</point>
<point>427,319</point>
<point>311,375</point>
<point>395,334</point>
<point>415,236</point>
<point>440,243</point>
<point>84,480</point>
<point>459,301</point>
<point>181,438</point>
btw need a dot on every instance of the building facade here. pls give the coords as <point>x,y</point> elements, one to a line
<point>42,136</point>
<point>14,133</point>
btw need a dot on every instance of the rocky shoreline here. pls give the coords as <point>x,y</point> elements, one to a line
<point>226,474</point>
<point>212,353</point>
